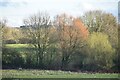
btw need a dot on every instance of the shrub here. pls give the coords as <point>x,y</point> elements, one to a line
<point>11,58</point>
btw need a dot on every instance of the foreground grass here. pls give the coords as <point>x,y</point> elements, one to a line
<point>53,74</point>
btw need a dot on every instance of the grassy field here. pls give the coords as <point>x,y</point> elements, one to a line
<point>17,45</point>
<point>53,74</point>
<point>21,48</point>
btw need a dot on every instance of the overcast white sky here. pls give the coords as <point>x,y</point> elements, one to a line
<point>17,10</point>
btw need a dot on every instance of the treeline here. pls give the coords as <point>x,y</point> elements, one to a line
<point>85,43</point>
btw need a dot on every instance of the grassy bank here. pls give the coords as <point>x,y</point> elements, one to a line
<point>53,74</point>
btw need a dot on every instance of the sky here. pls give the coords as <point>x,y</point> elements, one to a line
<point>17,10</point>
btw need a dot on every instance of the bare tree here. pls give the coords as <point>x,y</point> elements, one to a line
<point>2,25</point>
<point>99,21</point>
<point>2,28</point>
<point>38,31</point>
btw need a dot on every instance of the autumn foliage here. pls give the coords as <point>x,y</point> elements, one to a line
<point>83,30</point>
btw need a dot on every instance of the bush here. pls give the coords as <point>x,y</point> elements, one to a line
<point>24,40</point>
<point>10,41</point>
<point>100,51</point>
<point>11,58</point>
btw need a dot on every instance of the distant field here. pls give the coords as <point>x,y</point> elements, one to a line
<point>53,74</point>
<point>17,45</point>
<point>20,47</point>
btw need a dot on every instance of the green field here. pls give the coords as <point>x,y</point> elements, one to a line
<point>21,48</point>
<point>17,45</point>
<point>53,74</point>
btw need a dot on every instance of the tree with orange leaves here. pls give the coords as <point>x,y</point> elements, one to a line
<point>72,33</point>
<point>83,30</point>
